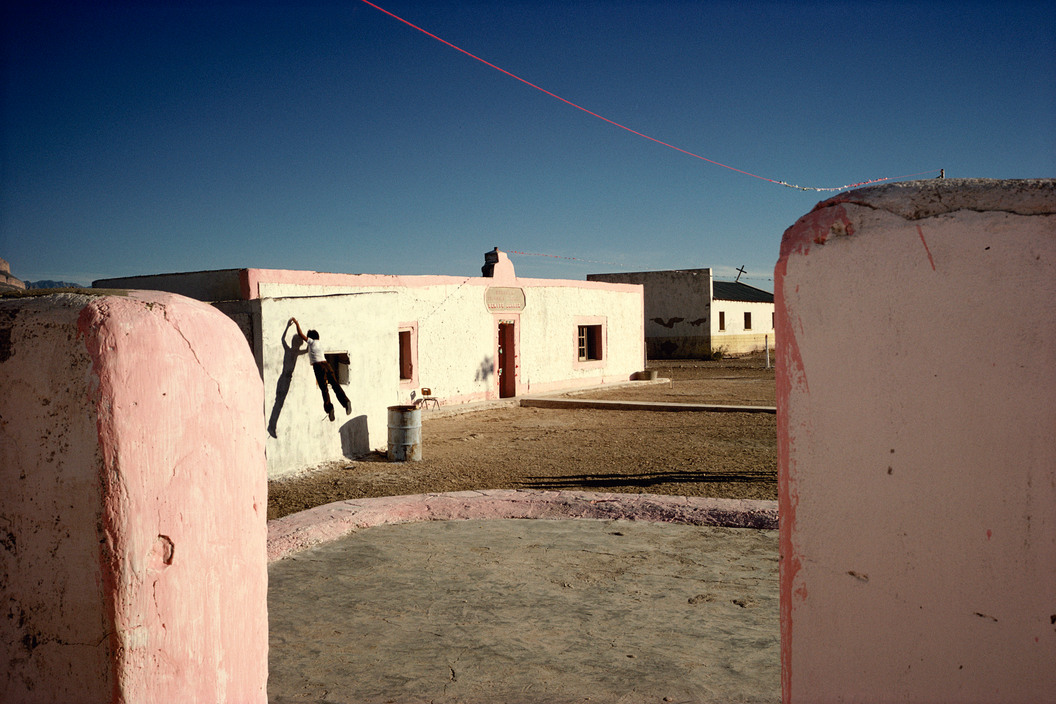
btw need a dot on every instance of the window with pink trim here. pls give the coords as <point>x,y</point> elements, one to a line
<point>408,355</point>
<point>589,346</point>
<point>589,342</point>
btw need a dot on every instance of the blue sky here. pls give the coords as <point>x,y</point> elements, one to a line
<point>150,137</point>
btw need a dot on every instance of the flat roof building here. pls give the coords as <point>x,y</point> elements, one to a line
<point>464,338</point>
<point>690,315</point>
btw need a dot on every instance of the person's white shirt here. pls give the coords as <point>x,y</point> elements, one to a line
<point>315,352</point>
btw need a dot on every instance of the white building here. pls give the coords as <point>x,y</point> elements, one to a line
<point>465,338</point>
<point>690,315</point>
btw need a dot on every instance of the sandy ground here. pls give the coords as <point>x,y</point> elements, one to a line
<point>542,610</point>
<point>721,455</point>
<point>528,612</point>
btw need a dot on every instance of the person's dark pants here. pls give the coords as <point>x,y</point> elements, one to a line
<point>322,376</point>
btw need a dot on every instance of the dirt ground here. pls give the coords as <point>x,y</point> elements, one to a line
<point>724,455</point>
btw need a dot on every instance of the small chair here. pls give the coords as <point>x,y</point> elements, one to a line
<point>427,397</point>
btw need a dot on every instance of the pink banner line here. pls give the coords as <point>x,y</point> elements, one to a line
<point>632,131</point>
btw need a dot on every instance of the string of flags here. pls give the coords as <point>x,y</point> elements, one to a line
<point>742,274</point>
<point>850,185</point>
<point>640,134</point>
<point>558,256</point>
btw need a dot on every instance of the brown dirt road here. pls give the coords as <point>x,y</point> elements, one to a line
<point>723,455</point>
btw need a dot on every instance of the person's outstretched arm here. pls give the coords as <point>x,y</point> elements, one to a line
<point>300,332</point>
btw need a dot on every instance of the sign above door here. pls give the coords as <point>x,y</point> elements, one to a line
<point>504,299</point>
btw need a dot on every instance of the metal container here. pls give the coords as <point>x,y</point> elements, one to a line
<point>405,434</point>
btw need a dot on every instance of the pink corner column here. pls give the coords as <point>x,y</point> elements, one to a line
<point>133,542</point>
<point>916,372</point>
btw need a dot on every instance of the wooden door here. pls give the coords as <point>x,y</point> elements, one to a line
<point>507,367</point>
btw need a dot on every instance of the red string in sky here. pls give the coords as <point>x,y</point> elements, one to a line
<point>558,256</point>
<point>624,127</point>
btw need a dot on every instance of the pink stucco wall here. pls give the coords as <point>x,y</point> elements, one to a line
<point>134,503</point>
<point>917,467</point>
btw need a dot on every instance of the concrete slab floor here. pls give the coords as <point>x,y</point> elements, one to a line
<point>528,611</point>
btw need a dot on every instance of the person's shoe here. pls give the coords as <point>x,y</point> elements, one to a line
<point>348,408</point>
<point>330,410</point>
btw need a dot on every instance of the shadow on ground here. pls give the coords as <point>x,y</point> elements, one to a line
<point>648,479</point>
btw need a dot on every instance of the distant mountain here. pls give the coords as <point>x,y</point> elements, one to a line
<point>48,283</point>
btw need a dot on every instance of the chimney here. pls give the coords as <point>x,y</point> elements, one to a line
<point>490,260</point>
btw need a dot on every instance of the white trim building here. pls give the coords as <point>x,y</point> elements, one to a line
<point>690,315</point>
<point>466,338</point>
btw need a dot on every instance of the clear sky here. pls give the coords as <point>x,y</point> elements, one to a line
<point>150,137</point>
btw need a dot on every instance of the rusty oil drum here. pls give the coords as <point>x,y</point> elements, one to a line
<point>405,434</point>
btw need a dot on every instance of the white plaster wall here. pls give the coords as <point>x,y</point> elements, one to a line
<point>133,513</point>
<point>735,339</point>
<point>916,456</point>
<point>548,336</point>
<point>677,309</point>
<point>300,435</point>
<point>457,336</point>
<point>456,350</point>
<point>457,340</point>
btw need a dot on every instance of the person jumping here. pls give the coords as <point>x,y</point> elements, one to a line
<point>324,372</point>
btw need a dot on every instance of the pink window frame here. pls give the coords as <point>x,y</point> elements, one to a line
<point>580,321</point>
<point>412,328</point>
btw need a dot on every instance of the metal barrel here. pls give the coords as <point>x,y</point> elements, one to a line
<point>405,434</point>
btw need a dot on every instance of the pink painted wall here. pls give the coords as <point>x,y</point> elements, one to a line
<point>134,503</point>
<point>917,466</point>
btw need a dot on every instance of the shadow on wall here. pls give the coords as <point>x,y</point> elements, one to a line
<point>486,369</point>
<point>668,348</point>
<point>282,386</point>
<point>355,440</point>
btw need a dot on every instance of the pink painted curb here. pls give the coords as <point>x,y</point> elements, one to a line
<point>299,531</point>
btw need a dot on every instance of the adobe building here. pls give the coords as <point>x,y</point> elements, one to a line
<point>465,338</point>
<point>690,315</point>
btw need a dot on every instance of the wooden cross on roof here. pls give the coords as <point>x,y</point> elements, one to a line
<point>740,270</point>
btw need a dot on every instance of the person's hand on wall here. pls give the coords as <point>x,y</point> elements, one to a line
<point>300,333</point>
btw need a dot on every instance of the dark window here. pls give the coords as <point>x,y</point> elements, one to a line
<point>722,320</point>
<point>773,320</point>
<point>747,321</point>
<point>589,342</point>
<point>406,368</point>
<point>339,361</point>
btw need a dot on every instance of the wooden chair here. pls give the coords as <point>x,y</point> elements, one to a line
<point>427,397</point>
